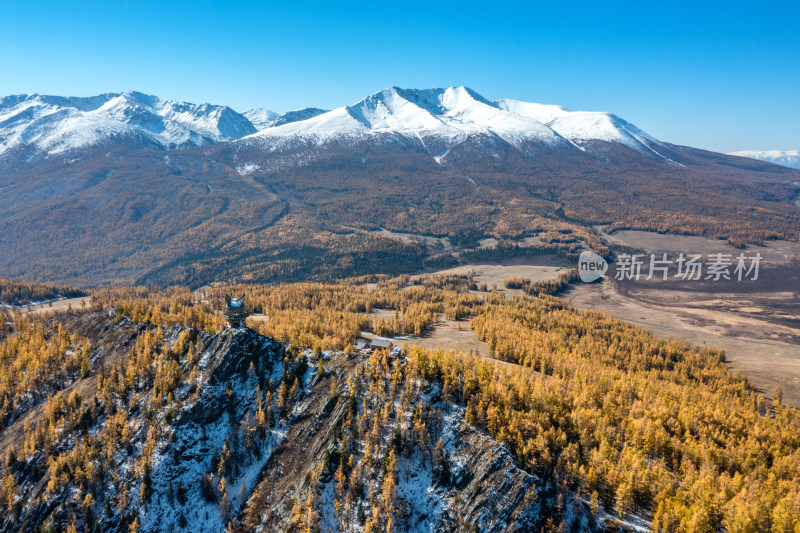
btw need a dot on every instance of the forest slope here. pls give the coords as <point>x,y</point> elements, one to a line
<point>301,200</point>
<point>588,421</point>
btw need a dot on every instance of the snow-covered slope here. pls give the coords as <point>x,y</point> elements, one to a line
<point>264,118</point>
<point>452,115</point>
<point>297,115</point>
<point>438,118</point>
<point>582,126</point>
<point>54,124</point>
<point>260,118</point>
<point>787,158</point>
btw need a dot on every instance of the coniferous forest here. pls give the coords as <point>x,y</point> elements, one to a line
<point>599,422</point>
<point>268,267</point>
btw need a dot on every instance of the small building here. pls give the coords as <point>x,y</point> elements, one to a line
<point>361,344</point>
<point>235,311</point>
<point>380,343</point>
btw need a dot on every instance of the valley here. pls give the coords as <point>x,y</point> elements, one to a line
<point>512,397</point>
<point>757,324</point>
<point>758,329</point>
<point>762,349</point>
<point>124,189</point>
<point>57,305</point>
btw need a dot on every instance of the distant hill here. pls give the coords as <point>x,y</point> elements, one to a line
<point>787,158</point>
<point>16,294</point>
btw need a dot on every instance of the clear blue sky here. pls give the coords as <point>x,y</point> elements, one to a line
<point>723,76</point>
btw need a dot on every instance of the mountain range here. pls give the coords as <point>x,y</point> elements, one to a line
<point>142,411</point>
<point>53,125</point>
<point>135,188</point>
<point>787,158</point>
<point>444,118</point>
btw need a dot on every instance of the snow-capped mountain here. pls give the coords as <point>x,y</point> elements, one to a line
<point>260,118</point>
<point>452,115</point>
<point>54,124</point>
<point>582,126</point>
<point>297,115</point>
<point>787,158</point>
<point>264,118</point>
<point>438,118</point>
<point>451,156</point>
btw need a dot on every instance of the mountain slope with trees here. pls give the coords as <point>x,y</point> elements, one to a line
<point>155,419</point>
<point>302,198</point>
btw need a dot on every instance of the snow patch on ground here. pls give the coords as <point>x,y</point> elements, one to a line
<point>193,446</point>
<point>247,169</point>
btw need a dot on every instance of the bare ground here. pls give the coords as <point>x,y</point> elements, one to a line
<point>451,335</point>
<point>495,275</point>
<point>445,334</point>
<point>66,304</point>
<point>383,314</point>
<point>756,323</point>
<point>768,354</point>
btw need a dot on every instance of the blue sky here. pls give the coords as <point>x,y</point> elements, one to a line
<point>723,76</point>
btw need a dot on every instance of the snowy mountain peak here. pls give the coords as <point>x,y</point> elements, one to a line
<point>54,124</point>
<point>452,101</point>
<point>439,119</point>
<point>445,117</point>
<point>260,118</point>
<point>582,126</point>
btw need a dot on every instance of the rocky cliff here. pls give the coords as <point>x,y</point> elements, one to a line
<point>176,429</point>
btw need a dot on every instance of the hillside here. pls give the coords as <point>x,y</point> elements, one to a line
<point>180,194</point>
<point>145,414</point>
<point>258,437</point>
<point>16,294</point>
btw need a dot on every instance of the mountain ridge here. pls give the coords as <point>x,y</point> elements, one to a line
<point>55,124</point>
<point>786,158</point>
<point>247,430</point>
<point>51,125</point>
<point>452,115</point>
<point>303,198</point>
